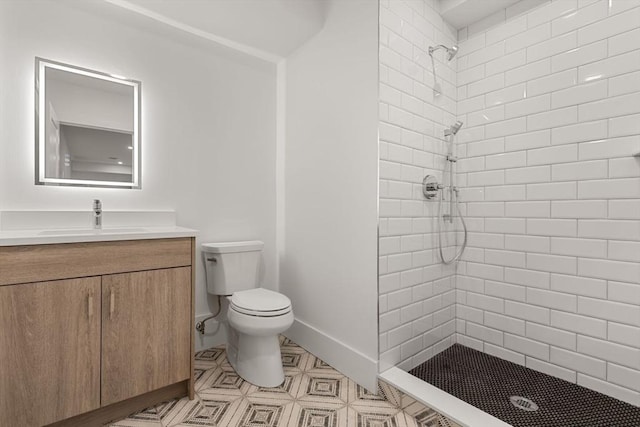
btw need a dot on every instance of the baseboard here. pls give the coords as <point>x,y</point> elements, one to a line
<point>352,363</point>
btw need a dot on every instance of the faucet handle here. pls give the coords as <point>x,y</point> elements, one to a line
<point>97,204</point>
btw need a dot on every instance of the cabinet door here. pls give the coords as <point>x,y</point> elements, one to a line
<point>146,333</point>
<point>49,351</point>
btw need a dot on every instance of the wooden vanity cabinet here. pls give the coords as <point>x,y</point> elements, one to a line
<point>92,332</point>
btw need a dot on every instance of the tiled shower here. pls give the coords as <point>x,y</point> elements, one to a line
<point>549,93</point>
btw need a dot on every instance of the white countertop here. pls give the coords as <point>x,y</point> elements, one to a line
<point>79,235</point>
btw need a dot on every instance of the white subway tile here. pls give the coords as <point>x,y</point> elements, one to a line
<point>528,175</point>
<point>552,263</point>
<point>579,209</point>
<point>552,82</point>
<point>552,47</point>
<point>536,279</point>
<point>506,62</point>
<point>624,167</point>
<point>577,285</point>
<point>610,310</point>
<point>472,74</point>
<point>399,262</point>
<point>579,18</point>
<point>614,147</point>
<point>557,118</point>
<point>610,107</point>
<point>579,362</point>
<point>469,313</point>
<point>624,209</point>
<point>471,44</point>
<point>609,229</point>
<point>610,26</point>
<point>504,323</point>
<point>504,290</point>
<point>628,188</point>
<point>472,104</point>
<point>471,164</point>
<point>526,312</point>
<point>579,56</point>
<point>488,146</point>
<point>624,334</point>
<point>540,209</point>
<point>504,258</point>
<point>553,336</point>
<point>485,85</point>
<point>624,42</point>
<point>611,352</point>
<point>528,72</point>
<point>528,140</point>
<point>485,334</point>
<point>617,6</point>
<point>526,346</point>
<point>505,225</point>
<point>506,160</point>
<point>552,191</point>
<point>625,83</point>
<point>486,240</point>
<point>527,243</point>
<point>508,94</point>
<point>507,127</point>
<point>624,292</point>
<point>505,192</point>
<point>579,94</point>
<point>579,171</point>
<point>528,38</point>
<point>489,115</point>
<point>550,11</point>
<point>550,155</point>
<point>490,209</point>
<point>588,248</point>
<point>529,106</point>
<point>551,369</point>
<point>550,299</point>
<point>503,353</point>
<point>612,66</point>
<point>611,270</point>
<point>585,325</point>
<point>485,302</point>
<point>506,30</point>
<point>625,377</point>
<point>580,132</point>
<point>485,271</point>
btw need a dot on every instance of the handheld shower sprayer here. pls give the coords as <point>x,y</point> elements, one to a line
<point>431,188</point>
<point>451,52</point>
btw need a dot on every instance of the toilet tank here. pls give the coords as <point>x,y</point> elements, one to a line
<point>232,266</point>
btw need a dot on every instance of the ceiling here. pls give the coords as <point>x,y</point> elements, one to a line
<point>460,13</point>
<point>272,29</point>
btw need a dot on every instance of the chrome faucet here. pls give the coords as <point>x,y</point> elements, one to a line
<point>97,214</point>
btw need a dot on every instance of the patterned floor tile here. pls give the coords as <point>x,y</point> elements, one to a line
<point>313,394</point>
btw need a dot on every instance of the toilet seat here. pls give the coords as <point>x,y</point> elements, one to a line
<point>260,303</point>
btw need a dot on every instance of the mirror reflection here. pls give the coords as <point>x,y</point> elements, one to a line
<point>88,127</point>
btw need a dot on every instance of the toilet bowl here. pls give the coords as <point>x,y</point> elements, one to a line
<point>254,317</point>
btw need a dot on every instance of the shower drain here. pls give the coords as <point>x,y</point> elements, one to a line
<point>523,403</point>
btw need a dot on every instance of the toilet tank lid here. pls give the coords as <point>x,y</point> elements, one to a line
<point>229,247</point>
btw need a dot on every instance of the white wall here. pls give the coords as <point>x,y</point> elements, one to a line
<point>551,104</point>
<point>417,297</point>
<point>208,125</point>
<point>328,267</point>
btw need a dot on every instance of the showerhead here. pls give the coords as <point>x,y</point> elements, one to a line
<point>453,129</point>
<point>451,51</point>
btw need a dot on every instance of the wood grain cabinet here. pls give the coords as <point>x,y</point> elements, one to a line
<point>91,341</point>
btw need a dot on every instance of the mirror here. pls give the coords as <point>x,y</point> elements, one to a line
<point>87,127</point>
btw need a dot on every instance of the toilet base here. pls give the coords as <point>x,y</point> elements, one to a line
<point>256,359</point>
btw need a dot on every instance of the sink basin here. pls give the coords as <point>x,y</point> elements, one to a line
<point>76,231</point>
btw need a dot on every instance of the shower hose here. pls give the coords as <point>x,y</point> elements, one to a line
<point>458,254</point>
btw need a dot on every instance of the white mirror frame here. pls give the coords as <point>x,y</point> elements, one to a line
<point>40,119</point>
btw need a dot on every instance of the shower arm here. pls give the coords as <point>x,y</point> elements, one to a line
<point>434,48</point>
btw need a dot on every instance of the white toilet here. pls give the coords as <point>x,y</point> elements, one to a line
<point>255,316</point>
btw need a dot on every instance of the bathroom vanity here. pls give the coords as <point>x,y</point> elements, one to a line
<point>96,328</point>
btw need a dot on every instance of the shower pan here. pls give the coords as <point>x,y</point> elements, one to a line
<point>431,188</point>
